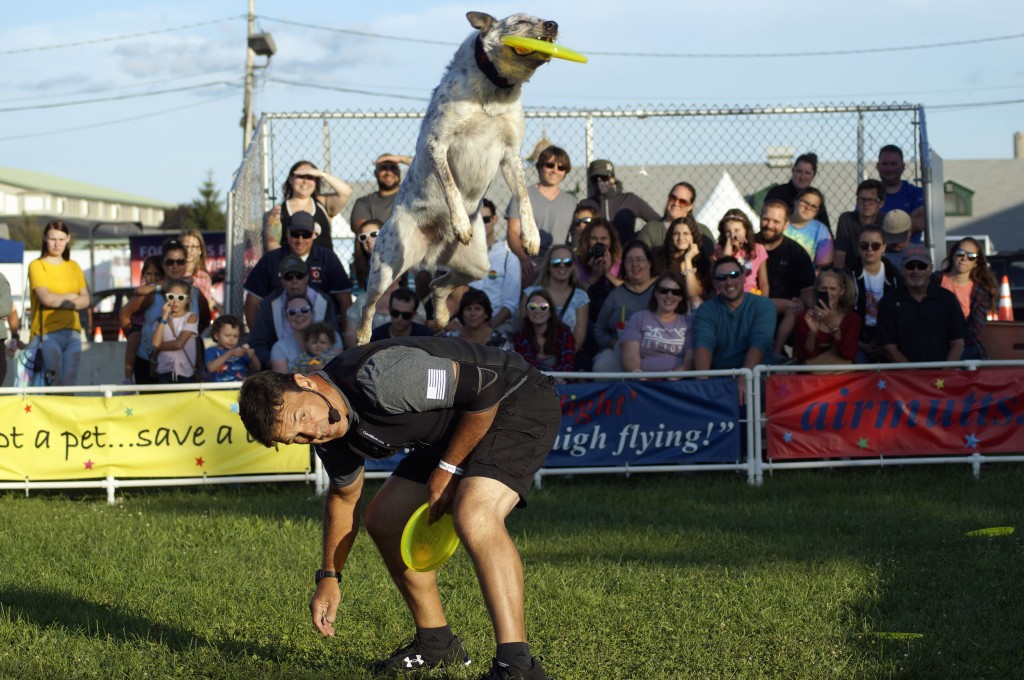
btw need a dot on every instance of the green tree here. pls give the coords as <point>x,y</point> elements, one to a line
<point>204,213</point>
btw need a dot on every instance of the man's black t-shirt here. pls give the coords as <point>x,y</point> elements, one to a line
<point>790,270</point>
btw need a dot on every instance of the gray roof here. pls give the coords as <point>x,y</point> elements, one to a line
<point>60,186</point>
<point>998,209</point>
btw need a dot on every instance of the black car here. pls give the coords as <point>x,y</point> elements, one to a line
<point>106,306</point>
<point>1011,265</point>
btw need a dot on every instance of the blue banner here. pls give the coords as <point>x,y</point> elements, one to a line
<point>657,422</point>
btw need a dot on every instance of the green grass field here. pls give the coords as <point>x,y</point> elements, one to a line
<point>855,574</point>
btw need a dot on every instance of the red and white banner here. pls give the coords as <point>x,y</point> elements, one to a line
<point>895,413</point>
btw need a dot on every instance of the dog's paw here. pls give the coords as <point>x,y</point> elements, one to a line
<point>531,239</point>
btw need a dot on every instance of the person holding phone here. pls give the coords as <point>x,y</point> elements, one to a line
<point>830,332</point>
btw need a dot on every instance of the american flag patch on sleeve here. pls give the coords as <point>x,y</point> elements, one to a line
<point>436,384</point>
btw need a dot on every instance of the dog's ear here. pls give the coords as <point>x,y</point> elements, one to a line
<point>480,21</point>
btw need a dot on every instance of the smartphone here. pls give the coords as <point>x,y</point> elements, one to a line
<point>822,296</point>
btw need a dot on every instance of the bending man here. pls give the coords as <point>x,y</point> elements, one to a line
<point>478,422</point>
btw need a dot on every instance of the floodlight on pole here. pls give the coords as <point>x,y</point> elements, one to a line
<point>257,44</point>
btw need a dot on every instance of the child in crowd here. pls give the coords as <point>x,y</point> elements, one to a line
<point>736,238</point>
<point>174,335</point>
<point>226,361</point>
<point>318,339</point>
<point>152,273</point>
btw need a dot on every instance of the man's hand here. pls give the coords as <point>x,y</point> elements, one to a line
<point>441,489</point>
<point>324,605</point>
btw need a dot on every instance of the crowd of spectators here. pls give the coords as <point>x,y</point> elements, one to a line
<point>616,286</point>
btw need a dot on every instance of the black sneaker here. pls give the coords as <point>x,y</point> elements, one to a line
<point>501,671</point>
<point>414,656</point>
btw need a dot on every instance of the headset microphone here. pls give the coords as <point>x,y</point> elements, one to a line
<point>333,416</point>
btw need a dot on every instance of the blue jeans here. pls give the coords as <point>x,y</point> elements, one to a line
<point>62,353</point>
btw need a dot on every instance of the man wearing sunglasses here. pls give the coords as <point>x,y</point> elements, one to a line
<point>922,321</point>
<point>379,204</point>
<point>326,273</point>
<point>552,210</point>
<point>403,306</point>
<point>876,277</point>
<point>621,208</point>
<point>732,329</point>
<point>270,325</point>
<point>503,281</point>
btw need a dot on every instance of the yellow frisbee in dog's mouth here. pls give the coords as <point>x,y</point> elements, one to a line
<point>526,45</point>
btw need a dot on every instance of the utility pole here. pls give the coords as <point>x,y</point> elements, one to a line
<point>250,66</point>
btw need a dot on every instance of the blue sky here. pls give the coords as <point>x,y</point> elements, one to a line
<point>163,145</point>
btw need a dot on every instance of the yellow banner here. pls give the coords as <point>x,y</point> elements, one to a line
<point>180,434</point>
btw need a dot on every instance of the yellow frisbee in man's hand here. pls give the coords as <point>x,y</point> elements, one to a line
<point>524,45</point>
<point>425,547</point>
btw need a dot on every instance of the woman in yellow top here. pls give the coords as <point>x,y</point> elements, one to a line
<point>59,291</point>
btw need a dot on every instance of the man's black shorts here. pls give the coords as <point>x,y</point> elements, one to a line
<point>515,446</point>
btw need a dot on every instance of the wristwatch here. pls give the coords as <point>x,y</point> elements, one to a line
<point>323,573</point>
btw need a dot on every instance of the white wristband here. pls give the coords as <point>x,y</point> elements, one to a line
<point>448,467</point>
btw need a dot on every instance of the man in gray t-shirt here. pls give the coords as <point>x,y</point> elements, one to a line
<point>552,211</point>
<point>378,205</point>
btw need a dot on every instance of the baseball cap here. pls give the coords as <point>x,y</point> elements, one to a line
<point>896,225</point>
<point>301,221</point>
<point>601,167</point>
<point>292,263</point>
<point>916,252</point>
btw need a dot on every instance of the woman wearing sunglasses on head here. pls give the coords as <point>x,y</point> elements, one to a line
<point>561,280</point>
<point>660,338</point>
<point>966,275</point>
<point>301,191</point>
<point>544,341</point>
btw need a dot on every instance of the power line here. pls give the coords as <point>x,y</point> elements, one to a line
<point>118,121</point>
<point>346,89</point>
<point>97,90</point>
<point>973,105</point>
<point>115,38</point>
<point>682,55</point>
<point>116,98</point>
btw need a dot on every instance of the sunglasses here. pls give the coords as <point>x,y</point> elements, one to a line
<point>295,311</point>
<point>388,167</point>
<point>661,290</point>
<point>914,265</point>
<point>559,166</point>
<point>538,306</point>
<point>583,220</point>
<point>865,246</point>
<point>304,234</point>
<point>734,274</point>
<point>672,198</point>
<point>561,262</point>
<point>960,252</point>
<point>293,276</point>
<point>487,218</point>
<point>405,315</point>
<point>366,236</point>
<point>175,262</point>
<point>172,297</point>
<point>311,178</point>
<point>601,178</point>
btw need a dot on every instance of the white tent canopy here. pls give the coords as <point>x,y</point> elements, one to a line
<point>724,197</point>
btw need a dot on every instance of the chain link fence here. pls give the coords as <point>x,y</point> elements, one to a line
<point>721,151</point>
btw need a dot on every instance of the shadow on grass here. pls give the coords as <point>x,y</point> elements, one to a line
<point>48,608</point>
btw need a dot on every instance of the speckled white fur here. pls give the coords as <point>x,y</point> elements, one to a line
<point>471,129</point>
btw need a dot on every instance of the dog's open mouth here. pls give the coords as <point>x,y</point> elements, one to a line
<point>523,50</point>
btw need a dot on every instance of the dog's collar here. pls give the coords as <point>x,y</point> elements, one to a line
<point>487,67</point>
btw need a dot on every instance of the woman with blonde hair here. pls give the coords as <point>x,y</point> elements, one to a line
<point>829,333</point>
<point>561,281</point>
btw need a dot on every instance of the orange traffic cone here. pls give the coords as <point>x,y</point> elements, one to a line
<point>120,335</point>
<point>97,334</point>
<point>1005,303</point>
